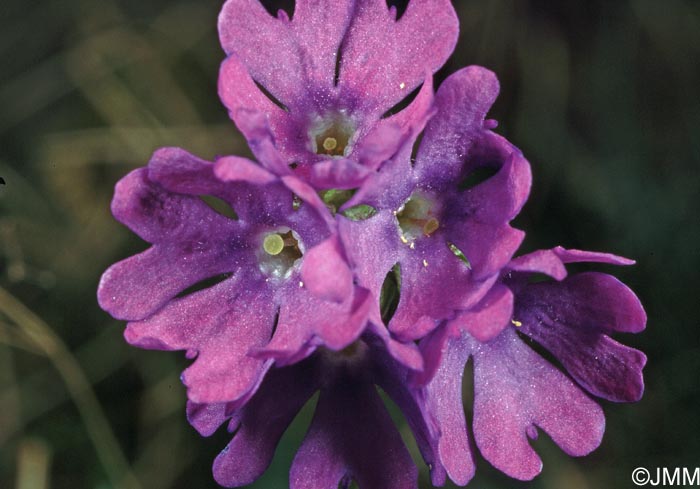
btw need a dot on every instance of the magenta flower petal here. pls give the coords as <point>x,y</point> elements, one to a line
<point>156,215</point>
<point>247,105</point>
<point>462,103</point>
<point>540,261</point>
<point>394,378</point>
<point>551,262</point>
<point>222,324</point>
<point>236,181</point>
<point>326,273</point>
<point>380,59</point>
<point>235,169</point>
<point>180,172</point>
<point>421,271</point>
<point>577,256</point>
<point>571,318</point>
<point>181,256</point>
<point>389,188</point>
<point>336,69</point>
<point>488,318</point>
<point>488,248</point>
<point>450,241</point>
<point>255,114</point>
<point>406,353</point>
<point>309,322</point>
<point>206,418</point>
<point>338,174</point>
<point>264,246</point>
<point>515,390</point>
<point>243,98</point>
<point>385,59</point>
<point>352,436</point>
<point>255,127</point>
<point>444,401</point>
<point>307,194</point>
<point>183,321</point>
<point>260,424</point>
<point>396,287</point>
<point>284,56</point>
<point>432,347</point>
<point>372,249</point>
<point>399,131</point>
<point>500,198</point>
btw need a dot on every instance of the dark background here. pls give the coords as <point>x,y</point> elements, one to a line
<point>601,96</point>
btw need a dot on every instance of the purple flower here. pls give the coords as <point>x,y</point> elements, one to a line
<point>333,70</point>
<point>284,292</point>
<point>445,238</point>
<point>517,391</point>
<point>283,285</point>
<point>351,435</point>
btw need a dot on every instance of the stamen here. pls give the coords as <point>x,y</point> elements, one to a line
<point>329,144</point>
<point>517,324</point>
<point>279,253</point>
<point>418,218</point>
<point>431,226</point>
<point>332,134</point>
<point>273,244</point>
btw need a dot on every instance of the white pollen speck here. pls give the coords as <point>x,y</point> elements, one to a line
<point>402,85</point>
<point>425,263</point>
<point>301,284</point>
<point>412,245</point>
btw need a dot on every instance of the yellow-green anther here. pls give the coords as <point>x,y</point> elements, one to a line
<point>329,144</point>
<point>430,226</point>
<point>273,244</point>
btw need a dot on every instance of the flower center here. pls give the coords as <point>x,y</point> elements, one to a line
<point>417,218</point>
<point>351,350</point>
<point>330,143</point>
<point>279,253</point>
<point>332,135</point>
<point>353,354</point>
<point>336,198</point>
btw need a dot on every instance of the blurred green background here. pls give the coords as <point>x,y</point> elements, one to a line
<point>601,96</point>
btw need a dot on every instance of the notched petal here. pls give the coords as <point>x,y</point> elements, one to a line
<point>325,271</point>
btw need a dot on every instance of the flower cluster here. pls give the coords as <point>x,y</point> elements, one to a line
<point>354,255</point>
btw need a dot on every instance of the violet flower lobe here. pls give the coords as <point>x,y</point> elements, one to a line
<point>351,437</point>
<point>446,237</point>
<point>516,390</point>
<point>258,258</point>
<point>333,70</point>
